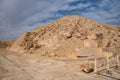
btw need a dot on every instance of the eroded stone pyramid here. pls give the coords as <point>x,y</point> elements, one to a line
<point>67,34</point>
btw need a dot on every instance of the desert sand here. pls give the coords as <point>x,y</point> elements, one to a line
<point>70,48</point>
<point>15,66</point>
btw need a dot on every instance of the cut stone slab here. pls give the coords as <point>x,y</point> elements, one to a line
<point>92,52</point>
<point>88,52</point>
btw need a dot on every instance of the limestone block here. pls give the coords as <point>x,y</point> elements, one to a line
<point>91,43</point>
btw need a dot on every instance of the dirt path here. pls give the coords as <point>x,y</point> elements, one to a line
<point>29,67</point>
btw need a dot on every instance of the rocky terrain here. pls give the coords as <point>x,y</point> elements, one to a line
<point>6,44</point>
<point>68,34</point>
<point>63,50</point>
<point>15,66</point>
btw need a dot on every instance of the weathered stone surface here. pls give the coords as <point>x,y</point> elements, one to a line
<point>86,68</point>
<point>89,52</point>
<point>63,36</point>
<point>91,43</point>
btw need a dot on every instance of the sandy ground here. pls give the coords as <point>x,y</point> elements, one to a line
<point>32,67</point>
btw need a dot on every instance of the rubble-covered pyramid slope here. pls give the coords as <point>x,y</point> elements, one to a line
<point>67,34</point>
<point>6,44</point>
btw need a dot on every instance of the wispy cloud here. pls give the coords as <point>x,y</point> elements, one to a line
<point>107,12</point>
<point>19,16</point>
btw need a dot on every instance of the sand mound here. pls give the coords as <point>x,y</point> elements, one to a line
<point>6,44</point>
<point>67,34</point>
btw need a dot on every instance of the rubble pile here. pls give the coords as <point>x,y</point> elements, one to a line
<point>67,34</point>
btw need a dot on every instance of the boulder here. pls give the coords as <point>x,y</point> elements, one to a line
<point>86,68</point>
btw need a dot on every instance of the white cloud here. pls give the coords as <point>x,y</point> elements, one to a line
<point>16,15</point>
<point>72,0</point>
<point>107,12</point>
<point>79,6</point>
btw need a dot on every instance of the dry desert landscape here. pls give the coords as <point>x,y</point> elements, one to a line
<point>70,48</point>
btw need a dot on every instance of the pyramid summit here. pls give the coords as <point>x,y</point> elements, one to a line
<point>67,34</point>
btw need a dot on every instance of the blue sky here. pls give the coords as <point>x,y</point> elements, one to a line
<point>19,16</point>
